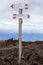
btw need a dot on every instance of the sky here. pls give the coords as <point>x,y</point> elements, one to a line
<point>30,27</point>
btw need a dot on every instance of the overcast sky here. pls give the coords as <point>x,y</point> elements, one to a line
<point>32,25</point>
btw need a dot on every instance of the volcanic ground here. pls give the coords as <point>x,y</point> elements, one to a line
<point>32,53</point>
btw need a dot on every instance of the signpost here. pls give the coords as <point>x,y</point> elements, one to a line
<point>20,35</point>
<point>20,26</point>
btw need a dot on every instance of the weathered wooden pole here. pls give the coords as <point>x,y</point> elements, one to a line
<point>20,36</point>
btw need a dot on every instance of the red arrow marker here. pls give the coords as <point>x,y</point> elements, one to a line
<point>12,6</point>
<point>28,16</point>
<point>26,6</point>
<point>14,16</point>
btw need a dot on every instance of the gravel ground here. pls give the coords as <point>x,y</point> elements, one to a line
<point>31,55</point>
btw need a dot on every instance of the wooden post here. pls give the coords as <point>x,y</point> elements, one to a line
<point>20,36</point>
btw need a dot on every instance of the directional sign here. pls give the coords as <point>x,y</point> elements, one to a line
<point>20,16</point>
<point>14,16</point>
<point>23,16</point>
<point>19,5</point>
<point>26,6</point>
<point>12,6</point>
<point>28,16</point>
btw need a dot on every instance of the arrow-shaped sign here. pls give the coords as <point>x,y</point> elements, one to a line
<point>12,6</point>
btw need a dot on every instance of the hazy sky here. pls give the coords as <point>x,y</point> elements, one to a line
<point>32,25</point>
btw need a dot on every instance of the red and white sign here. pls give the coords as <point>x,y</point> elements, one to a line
<point>12,6</point>
<point>14,16</point>
<point>16,6</point>
<point>28,16</point>
<point>26,6</point>
<point>21,16</point>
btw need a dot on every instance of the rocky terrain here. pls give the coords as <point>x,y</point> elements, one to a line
<point>32,53</point>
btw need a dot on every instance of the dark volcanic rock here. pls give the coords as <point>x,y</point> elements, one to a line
<point>31,55</point>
